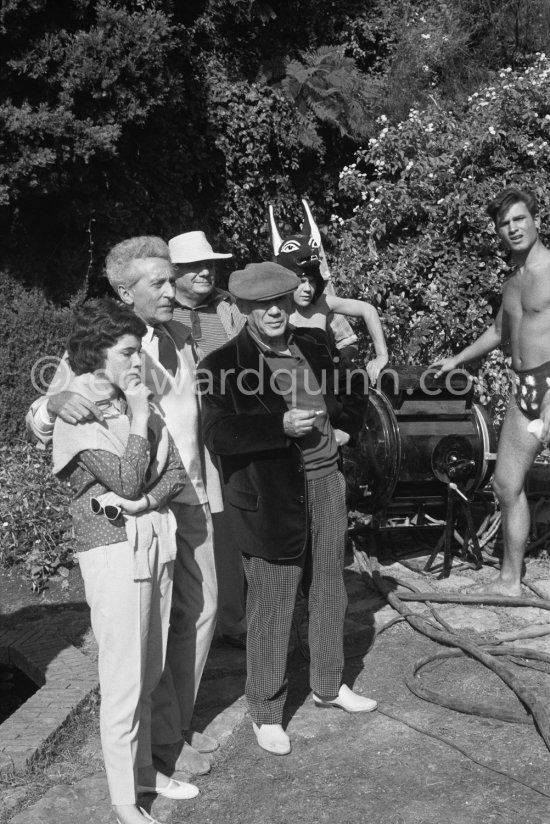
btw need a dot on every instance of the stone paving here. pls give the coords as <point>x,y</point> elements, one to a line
<point>221,709</point>
<point>65,677</point>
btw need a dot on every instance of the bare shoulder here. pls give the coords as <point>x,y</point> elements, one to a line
<point>537,265</point>
<point>543,257</point>
<point>323,303</point>
<point>511,282</point>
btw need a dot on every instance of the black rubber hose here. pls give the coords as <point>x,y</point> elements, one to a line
<point>473,706</point>
<point>527,695</point>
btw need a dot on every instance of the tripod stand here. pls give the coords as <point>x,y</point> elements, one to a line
<point>457,504</point>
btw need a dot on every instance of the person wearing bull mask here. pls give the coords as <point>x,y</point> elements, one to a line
<point>303,253</point>
<point>270,400</point>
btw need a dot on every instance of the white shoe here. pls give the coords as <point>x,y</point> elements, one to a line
<point>176,790</point>
<point>273,738</point>
<point>146,816</point>
<point>347,700</point>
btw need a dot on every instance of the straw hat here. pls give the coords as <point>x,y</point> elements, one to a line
<point>192,246</point>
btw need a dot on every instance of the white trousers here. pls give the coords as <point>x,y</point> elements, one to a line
<point>130,621</point>
<point>192,624</point>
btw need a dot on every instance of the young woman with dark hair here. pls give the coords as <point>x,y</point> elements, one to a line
<point>122,471</point>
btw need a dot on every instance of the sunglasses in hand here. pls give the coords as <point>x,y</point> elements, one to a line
<point>111,511</point>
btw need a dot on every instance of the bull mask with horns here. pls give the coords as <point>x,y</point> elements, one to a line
<point>302,252</point>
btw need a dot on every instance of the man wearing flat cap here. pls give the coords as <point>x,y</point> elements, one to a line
<point>270,402</point>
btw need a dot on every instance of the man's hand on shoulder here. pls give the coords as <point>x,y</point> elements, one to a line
<point>299,422</point>
<point>73,408</point>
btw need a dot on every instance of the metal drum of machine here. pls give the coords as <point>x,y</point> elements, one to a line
<point>420,434</point>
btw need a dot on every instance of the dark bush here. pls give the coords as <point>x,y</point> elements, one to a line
<point>32,333</point>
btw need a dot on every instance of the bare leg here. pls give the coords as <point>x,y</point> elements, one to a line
<point>517,450</point>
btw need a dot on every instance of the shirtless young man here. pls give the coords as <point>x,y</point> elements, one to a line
<point>523,320</point>
<point>312,308</point>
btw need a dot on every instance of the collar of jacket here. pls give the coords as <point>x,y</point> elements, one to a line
<point>249,357</point>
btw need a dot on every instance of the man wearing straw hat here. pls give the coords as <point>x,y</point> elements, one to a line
<point>212,317</point>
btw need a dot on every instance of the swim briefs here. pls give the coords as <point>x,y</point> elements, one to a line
<point>530,387</point>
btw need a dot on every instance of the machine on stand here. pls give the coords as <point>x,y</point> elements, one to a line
<point>425,447</point>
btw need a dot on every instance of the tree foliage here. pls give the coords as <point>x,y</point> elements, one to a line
<point>120,117</point>
<point>422,48</point>
<point>413,234</point>
<point>327,89</point>
<point>77,79</point>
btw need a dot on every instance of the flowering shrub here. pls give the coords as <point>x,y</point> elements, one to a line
<point>412,233</point>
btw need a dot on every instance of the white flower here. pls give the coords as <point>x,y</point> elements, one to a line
<point>491,130</point>
<point>425,36</point>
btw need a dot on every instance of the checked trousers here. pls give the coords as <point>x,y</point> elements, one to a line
<point>272,589</point>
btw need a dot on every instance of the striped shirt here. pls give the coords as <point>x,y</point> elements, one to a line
<point>212,323</point>
<point>296,382</point>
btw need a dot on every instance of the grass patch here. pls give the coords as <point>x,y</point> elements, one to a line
<point>72,755</point>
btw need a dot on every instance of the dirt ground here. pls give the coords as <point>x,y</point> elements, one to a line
<point>376,768</point>
<point>411,762</point>
<point>400,765</point>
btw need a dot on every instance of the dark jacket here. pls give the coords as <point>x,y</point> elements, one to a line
<point>262,470</point>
